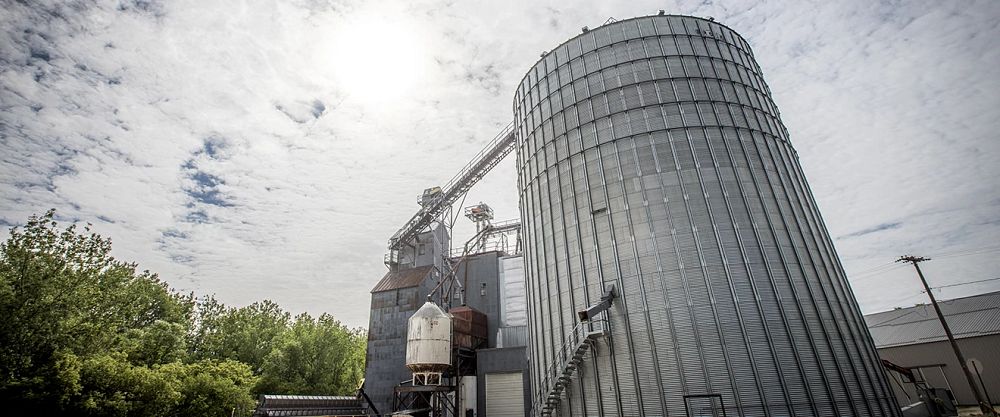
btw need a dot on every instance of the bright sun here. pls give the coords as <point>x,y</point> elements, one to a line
<point>377,58</point>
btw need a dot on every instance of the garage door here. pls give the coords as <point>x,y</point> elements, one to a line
<point>505,395</point>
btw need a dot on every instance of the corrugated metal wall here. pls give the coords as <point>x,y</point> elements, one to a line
<point>482,292</point>
<point>513,303</point>
<point>651,156</point>
<point>513,329</point>
<point>937,363</point>
<point>385,362</point>
<point>392,308</point>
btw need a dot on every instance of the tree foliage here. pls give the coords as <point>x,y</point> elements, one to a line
<point>86,334</point>
<point>247,334</point>
<point>315,356</point>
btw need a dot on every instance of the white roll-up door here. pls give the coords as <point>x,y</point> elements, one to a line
<point>505,395</point>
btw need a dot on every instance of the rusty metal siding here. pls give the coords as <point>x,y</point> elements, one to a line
<point>470,327</point>
<point>404,278</point>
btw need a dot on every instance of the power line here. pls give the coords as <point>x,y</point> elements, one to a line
<point>974,251</point>
<point>876,268</point>
<point>892,319</point>
<point>984,405</point>
<point>876,272</point>
<point>900,307</point>
<point>892,266</point>
<point>970,251</point>
<point>964,283</point>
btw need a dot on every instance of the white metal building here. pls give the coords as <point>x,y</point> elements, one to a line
<point>913,337</point>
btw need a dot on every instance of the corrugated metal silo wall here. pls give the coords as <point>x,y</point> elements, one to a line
<point>651,157</point>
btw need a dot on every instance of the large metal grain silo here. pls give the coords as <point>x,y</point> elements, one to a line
<point>651,158</point>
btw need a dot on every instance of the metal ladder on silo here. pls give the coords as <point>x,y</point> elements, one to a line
<point>569,357</point>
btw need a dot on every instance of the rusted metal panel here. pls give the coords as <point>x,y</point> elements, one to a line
<point>471,329</point>
<point>404,278</point>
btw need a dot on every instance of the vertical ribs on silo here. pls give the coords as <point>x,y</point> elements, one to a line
<point>651,157</point>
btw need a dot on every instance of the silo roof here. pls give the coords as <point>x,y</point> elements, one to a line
<point>404,278</point>
<point>973,316</point>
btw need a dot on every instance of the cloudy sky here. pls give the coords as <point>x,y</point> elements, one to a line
<point>264,149</point>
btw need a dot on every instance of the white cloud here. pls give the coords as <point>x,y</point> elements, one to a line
<point>222,145</point>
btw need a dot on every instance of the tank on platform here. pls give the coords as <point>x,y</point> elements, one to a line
<point>428,340</point>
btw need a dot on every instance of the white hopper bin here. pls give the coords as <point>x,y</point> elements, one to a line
<point>428,340</point>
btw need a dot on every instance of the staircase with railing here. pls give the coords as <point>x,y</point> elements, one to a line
<point>569,357</point>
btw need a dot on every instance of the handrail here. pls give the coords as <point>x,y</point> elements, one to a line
<point>454,268</point>
<point>497,149</point>
<point>506,225</point>
<point>489,148</point>
<point>579,333</point>
<point>480,244</point>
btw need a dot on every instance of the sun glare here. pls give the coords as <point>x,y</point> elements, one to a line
<point>377,59</point>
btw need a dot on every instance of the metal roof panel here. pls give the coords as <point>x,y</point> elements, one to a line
<point>404,278</point>
<point>978,315</point>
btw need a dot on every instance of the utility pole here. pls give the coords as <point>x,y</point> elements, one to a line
<point>985,407</point>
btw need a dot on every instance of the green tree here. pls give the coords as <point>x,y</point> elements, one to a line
<point>63,296</point>
<point>247,334</point>
<point>84,334</point>
<point>316,356</point>
<point>108,385</point>
<point>160,342</point>
<point>212,388</point>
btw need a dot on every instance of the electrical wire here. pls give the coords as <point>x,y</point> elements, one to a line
<point>967,252</point>
<point>891,266</point>
<point>924,292</point>
<point>876,268</point>
<point>964,283</point>
<point>898,302</point>
<point>892,319</point>
<point>912,297</point>
<point>876,272</point>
